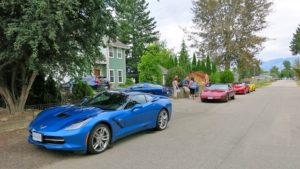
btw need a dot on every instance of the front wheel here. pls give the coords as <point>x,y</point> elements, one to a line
<point>162,120</point>
<point>99,139</point>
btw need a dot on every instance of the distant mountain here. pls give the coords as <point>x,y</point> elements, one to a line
<point>267,65</point>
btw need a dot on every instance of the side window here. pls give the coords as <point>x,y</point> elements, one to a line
<point>148,98</point>
<point>137,99</point>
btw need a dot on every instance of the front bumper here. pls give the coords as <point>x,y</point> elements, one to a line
<point>213,97</point>
<point>74,140</point>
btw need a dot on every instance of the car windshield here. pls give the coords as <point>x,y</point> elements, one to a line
<point>217,87</point>
<point>241,84</point>
<point>138,86</point>
<point>107,101</point>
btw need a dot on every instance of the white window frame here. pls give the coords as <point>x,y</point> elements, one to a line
<point>112,76</point>
<point>120,70</point>
<point>119,51</point>
<point>110,50</point>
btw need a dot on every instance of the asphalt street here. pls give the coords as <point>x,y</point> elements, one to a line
<point>260,130</point>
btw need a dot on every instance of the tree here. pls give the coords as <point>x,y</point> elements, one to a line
<point>194,63</point>
<point>198,65</point>
<point>227,30</point>
<point>287,71</point>
<point>148,68</point>
<point>135,28</point>
<point>213,67</point>
<point>203,66</point>
<point>183,60</point>
<point>226,76</point>
<point>81,89</point>
<point>175,71</point>
<point>275,71</point>
<point>295,44</point>
<point>208,65</point>
<point>55,37</point>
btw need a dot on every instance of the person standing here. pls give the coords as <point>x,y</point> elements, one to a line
<point>193,86</point>
<point>185,86</point>
<point>175,86</point>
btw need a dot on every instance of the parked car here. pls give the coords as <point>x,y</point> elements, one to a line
<point>241,88</point>
<point>148,88</point>
<point>251,85</point>
<point>99,121</point>
<point>222,92</point>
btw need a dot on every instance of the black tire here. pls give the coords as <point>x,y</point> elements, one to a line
<point>202,100</point>
<point>102,139</point>
<point>162,120</point>
<point>227,98</point>
<point>233,97</point>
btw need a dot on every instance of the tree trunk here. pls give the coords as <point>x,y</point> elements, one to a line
<point>15,104</point>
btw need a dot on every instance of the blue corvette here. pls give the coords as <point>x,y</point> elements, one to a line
<point>148,88</point>
<point>99,121</point>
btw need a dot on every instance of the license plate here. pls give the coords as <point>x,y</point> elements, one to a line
<point>210,98</point>
<point>36,136</point>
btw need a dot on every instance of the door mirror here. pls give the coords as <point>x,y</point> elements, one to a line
<point>85,99</point>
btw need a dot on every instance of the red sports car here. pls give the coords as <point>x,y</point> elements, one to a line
<point>241,88</point>
<point>222,92</point>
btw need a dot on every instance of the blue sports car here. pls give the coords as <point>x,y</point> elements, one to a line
<point>99,121</point>
<point>148,88</point>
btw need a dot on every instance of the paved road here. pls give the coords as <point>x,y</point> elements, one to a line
<point>257,131</point>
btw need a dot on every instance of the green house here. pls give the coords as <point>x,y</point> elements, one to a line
<point>113,67</point>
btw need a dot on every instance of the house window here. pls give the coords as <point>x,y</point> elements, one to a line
<point>119,56</point>
<point>111,52</point>
<point>112,75</point>
<point>120,76</point>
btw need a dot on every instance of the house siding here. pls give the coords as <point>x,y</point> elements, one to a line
<point>117,64</point>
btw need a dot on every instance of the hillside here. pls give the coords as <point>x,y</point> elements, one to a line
<point>267,65</point>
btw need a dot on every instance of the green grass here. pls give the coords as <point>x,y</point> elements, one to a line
<point>262,84</point>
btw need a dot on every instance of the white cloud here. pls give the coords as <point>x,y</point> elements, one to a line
<point>172,15</point>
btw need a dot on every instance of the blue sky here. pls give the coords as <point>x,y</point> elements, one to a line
<point>173,15</point>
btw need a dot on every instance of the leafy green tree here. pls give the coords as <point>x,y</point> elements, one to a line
<point>136,28</point>
<point>227,76</point>
<point>184,57</point>
<point>275,71</point>
<point>287,71</point>
<point>198,65</point>
<point>203,66</point>
<point>148,68</point>
<point>175,61</point>
<point>175,71</point>
<point>208,65</point>
<point>215,78</point>
<point>227,29</point>
<point>55,37</point>
<point>295,44</point>
<point>194,63</point>
<point>81,89</point>
<point>213,67</point>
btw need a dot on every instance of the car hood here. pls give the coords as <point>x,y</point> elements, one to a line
<point>214,92</point>
<point>57,118</point>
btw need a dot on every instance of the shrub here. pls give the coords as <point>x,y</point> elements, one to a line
<point>43,91</point>
<point>129,81</point>
<point>81,90</point>
<point>214,78</point>
<point>172,73</point>
<point>226,76</point>
<point>52,94</point>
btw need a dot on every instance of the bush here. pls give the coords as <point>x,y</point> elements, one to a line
<point>52,94</point>
<point>226,76</point>
<point>43,92</point>
<point>81,90</point>
<point>129,82</point>
<point>214,78</point>
<point>173,72</point>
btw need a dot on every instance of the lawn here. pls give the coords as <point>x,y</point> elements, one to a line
<point>262,84</point>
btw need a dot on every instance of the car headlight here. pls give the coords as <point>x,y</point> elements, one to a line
<point>78,125</point>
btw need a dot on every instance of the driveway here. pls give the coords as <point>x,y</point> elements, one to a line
<point>257,131</point>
